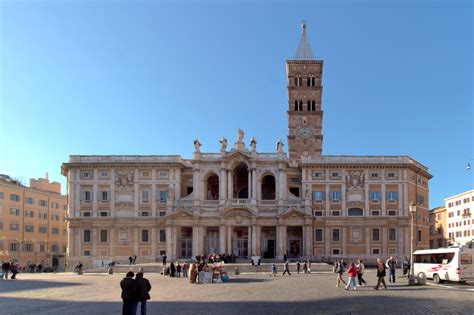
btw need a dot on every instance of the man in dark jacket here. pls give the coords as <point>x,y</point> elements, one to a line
<point>129,294</point>
<point>143,289</point>
<point>5,269</point>
<point>381,273</point>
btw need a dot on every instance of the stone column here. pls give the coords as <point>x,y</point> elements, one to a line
<point>94,242</point>
<point>196,241</point>
<point>344,241</point>
<point>77,207</point>
<point>196,185</point>
<point>250,240</point>
<point>343,197</point>
<point>254,184</point>
<point>279,189</point>
<point>229,185</point>
<point>384,241</point>
<point>153,193</point>
<point>278,241</point>
<point>71,242</point>
<point>78,242</point>
<point>328,197</point>
<point>400,199</point>
<point>177,186</point>
<point>249,188</point>
<point>136,193</point>
<point>367,242</point>
<point>112,193</point>
<point>95,194</point>
<point>112,242</point>
<point>222,239</point>
<point>327,241</point>
<point>384,205</point>
<point>254,240</point>
<point>154,253</point>
<point>135,241</point>
<point>229,239</point>
<point>169,240</point>
<point>309,240</point>
<point>222,184</point>
<point>367,201</point>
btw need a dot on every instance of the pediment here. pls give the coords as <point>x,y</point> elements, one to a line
<point>237,212</point>
<point>238,155</point>
<point>292,213</point>
<point>181,213</point>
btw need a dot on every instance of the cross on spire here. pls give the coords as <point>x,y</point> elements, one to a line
<point>304,51</point>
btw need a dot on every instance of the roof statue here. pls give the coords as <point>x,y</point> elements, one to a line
<point>304,51</point>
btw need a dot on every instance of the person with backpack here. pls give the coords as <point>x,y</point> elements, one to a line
<point>129,294</point>
<point>339,271</point>
<point>143,288</point>
<point>360,272</point>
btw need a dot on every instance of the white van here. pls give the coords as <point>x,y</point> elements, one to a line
<point>444,264</point>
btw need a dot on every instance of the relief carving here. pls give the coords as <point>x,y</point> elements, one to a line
<point>355,179</point>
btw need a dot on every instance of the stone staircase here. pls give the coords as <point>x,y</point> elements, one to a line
<point>242,268</point>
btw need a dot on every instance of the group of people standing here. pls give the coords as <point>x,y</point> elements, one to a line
<point>132,260</point>
<point>135,291</point>
<point>356,270</point>
<point>175,270</point>
<point>7,267</point>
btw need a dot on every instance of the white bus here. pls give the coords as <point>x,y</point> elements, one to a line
<point>444,264</point>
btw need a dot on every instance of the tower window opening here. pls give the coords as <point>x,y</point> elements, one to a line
<point>313,106</point>
<point>298,106</point>
<point>298,80</point>
<point>311,80</point>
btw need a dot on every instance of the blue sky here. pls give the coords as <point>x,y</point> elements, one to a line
<point>148,77</point>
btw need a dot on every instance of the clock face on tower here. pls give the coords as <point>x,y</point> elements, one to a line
<point>304,132</point>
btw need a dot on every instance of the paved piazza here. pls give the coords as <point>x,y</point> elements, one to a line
<point>68,293</point>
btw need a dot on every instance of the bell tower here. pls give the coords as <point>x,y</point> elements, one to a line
<point>305,116</point>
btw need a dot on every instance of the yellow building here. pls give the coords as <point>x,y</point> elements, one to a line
<point>32,222</point>
<point>438,230</point>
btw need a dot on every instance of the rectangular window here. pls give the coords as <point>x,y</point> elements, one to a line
<point>336,251</point>
<point>104,195</point>
<point>392,196</point>
<point>28,247</point>
<point>374,175</point>
<point>420,200</point>
<point>87,174</point>
<point>336,235</point>
<point>163,174</point>
<point>162,236</point>
<point>335,196</point>
<point>375,195</point>
<point>318,174</point>
<point>103,236</point>
<point>375,251</point>
<point>29,213</point>
<point>14,227</point>
<point>87,253</point>
<point>13,247</point>
<point>375,235</point>
<point>86,236</point>
<point>29,200</point>
<point>29,228</point>
<point>392,234</point>
<point>419,235</point>
<point>162,196</point>
<point>87,195</point>
<point>14,197</point>
<point>43,229</point>
<point>318,196</point>
<point>1,196</point>
<point>145,234</point>
<point>104,174</point>
<point>392,174</point>
<point>145,196</point>
<point>43,203</point>
<point>295,180</point>
<point>54,248</point>
<point>318,235</point>
<point>55,231</point>
<point>42,248</point>
<point>14,211</point>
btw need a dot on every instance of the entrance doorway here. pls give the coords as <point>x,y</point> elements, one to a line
<point>269,242</point>
<point>186,243</point>
<point>211,241</point>
<point>295,241</point>
<point>240,242</point>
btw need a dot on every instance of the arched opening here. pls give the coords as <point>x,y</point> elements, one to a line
<point>241,181</point>
<point>355,212</point>
<point>212,187</point>
<point>268,187</point>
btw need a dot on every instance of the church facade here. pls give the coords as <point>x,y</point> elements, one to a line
<point>248,203</point>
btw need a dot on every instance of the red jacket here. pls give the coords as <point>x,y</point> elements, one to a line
<point>352,271</point>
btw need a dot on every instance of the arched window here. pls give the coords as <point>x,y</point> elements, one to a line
<point>212,187</point>
<point>298,80</point>
<point>355,212</point>
<point>300,105</point>
<point>268,188</point>
<point>311,81</point>
<point>313,106</point>
<point>240,181</point>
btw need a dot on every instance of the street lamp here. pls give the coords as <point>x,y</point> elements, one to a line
<point>411,277</point>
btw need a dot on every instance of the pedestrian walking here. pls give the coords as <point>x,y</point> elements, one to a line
<point>339,271</point>
<point>178,269</point>
<point>392,267</point>
<point>185,269</point>
<point>164,260</point>
<point>406,265</point>
<point>287,268</point>
<point>305,267</point>
<point>352,272</point>
<point>13,270</point>
<point>381,273</point>
<point>360,272</point>
<point>143,288</point>
<point>130,259</point>
<point>273,271</point>
<point>129,295</point>
<point>5,270</point>
<point>298,267</point>
<point>172,270</point>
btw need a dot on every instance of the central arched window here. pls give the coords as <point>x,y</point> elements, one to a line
<point>268,187</point>
<point>212,187</point>
<point>241,181</point>
<point>355,212</point>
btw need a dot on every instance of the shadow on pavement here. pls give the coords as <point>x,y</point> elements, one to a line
<point>26,285</point>
<point>386,304</point>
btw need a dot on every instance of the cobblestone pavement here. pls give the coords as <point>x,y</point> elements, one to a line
<point>67,293</point>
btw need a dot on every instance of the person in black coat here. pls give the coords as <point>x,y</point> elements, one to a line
<point>129,294</point>
<point>381,273</point>
<point>172,270</point>
<point>143,289</point>
<point>5,269</point>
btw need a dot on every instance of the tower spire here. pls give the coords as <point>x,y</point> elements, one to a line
<point>304,51</point>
